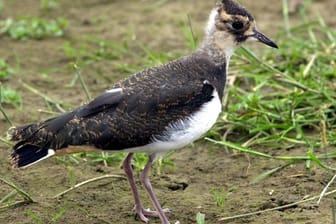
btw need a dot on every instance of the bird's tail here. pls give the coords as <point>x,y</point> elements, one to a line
<point>36,142</point>
<point>27,151</point>
<point>25,155</point>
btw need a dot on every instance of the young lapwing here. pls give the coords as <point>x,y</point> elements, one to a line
<point>153,111</point>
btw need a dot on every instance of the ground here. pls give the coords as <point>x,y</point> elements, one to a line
<point>199,169</point>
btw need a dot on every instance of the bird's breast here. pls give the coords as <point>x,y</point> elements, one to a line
<point>184,131</point>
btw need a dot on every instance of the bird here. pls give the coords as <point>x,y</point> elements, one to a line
<point>153,111</point>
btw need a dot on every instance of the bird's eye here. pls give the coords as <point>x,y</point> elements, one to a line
<point>237,25</point>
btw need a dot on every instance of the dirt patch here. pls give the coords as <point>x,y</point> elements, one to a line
<point>199,169</point>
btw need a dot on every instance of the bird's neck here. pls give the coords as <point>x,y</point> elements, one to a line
<point>218,47</point>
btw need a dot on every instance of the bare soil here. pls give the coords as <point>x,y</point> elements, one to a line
<point>200,168</point>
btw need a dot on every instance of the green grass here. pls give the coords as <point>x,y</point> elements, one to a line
<point>200,218</point>
<point>33,28</point>
<point>219,195</point>
<point>48,4</point>
<point>94,49</point>
<point>54,216</point>
<point>5,70</point>
<point>15,197</point>
<point>1,5</point>
<point>9,96</point>
<point>285,99</point>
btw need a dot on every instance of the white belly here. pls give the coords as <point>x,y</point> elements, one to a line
<point>184,132</point>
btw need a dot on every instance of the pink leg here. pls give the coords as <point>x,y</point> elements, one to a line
<point>144,178</point>
<point>129,173</point>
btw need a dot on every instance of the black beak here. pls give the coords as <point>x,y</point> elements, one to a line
<point>263,39</point>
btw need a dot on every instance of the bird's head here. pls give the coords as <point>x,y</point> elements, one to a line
<point>231,25</point>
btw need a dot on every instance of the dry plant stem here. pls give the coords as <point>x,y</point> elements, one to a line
<point>276,208</point>
<point>13,204</point>
<point>87,182</point>
<point>251,140</point>
<point>310,65</point>
<point>227,132</point>
<point>326,188</point>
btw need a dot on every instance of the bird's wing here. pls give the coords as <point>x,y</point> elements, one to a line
<point>148,108</point>
<point>105,101</point>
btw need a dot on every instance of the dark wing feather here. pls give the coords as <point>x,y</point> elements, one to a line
<point>103,102</point>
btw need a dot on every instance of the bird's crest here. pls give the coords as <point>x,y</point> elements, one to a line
<point>232,8</point>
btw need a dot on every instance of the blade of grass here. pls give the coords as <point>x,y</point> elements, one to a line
<point>270,172</point>
<point>81,81</point>
<point>239,148</point>
<point>58,215</point>
<point>311,156</point>
<point>200,218</point>
<point>21,192</point>
<point>285,13</point>
<point>315,159</point>
<point>10,195</point>
<point>6,141</point>
<point>35,217</point>
<point>87,182</point>
<point>3,111</point>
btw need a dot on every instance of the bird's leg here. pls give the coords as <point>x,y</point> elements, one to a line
<point>144,178</point>
<point>140,211</point>
<point>129,173</point>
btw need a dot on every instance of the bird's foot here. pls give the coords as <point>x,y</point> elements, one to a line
<point>148,212</point>
<point>142,213</point>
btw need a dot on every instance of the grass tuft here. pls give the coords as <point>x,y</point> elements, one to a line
<point>10,97</point>
<point>219,196</point>
<point>200,218</point>
<point>48,4</point>
<point>33,28</point>
<point>5,70</point>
